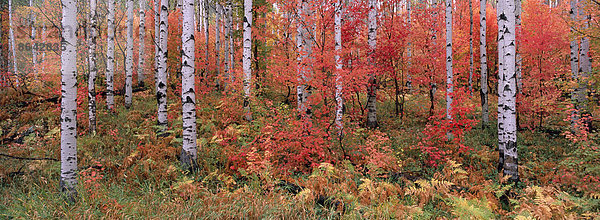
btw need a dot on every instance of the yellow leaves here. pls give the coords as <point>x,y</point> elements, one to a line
<point>545,203</point>
<point>425,190</point>
<point>52,132</point>
<point>305,196</point>
<point>185,181</point>
<point>471,209</point>
<point>370,192</point>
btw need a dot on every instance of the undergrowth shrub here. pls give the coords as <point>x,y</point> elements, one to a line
<point>443,138</point>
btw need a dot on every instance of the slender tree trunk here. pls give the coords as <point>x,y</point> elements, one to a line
<point>338,66</point>
<point>142,46</point>
<point>43,58</point>
<point>574,67</point>
<point>449,74</point>
<point>156,41</point>
<point>33,42</point>
<point>470,46</point>
<point>110,56</point>
<point>218,15</point>
<point>372,85</point>
<point>93,34</point>
<point>509,93</point>
<point>484,70</point>
<point>247,61</point>
<point>161,92</point>
<point>12,43</point>
<point>227,29</point>
<point>129,56</point>
<point>304,43</point>
<point>518,55</point>
<point>231,45</point>
<point>585,65</point>
<point>206,30</point>
<point>188,85</point>
<point>501,27</point>
<point>68,117</point>
<point>3,47</point>
<point>409,48</point>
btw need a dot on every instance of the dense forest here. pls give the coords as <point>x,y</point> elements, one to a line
<point>305,109</point>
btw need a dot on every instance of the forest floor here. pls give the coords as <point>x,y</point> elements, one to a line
<point>126,171</point>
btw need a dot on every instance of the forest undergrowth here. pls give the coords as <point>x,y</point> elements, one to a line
<point>271,168</point>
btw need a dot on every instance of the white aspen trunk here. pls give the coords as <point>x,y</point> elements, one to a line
<point>188,85</point>
<point>142,47</point>
<point>509,93</point>
<point>574,58</point>
<point>43,58</point>
<point>304,43</point>
<point>33,42</point>
<point>129,56</point>
<point>484,71</point>
<point>372,84</point>
<point>585,65</point>
<point>12,43</point>
<point>409,48</point>
<point>449,74</point>
<point>501,27</point>
<point>338,66</point>
<point>246,60</point>
<point>206,29</point>
<point>110,56</point>
<point>156,41</point>
<point>68,116</point>
<point>518,55</point>
<point>218,15</point>
<point>4,79</point>
<point>227,31</point>
<point>231,45</point>
<point>93,34</point>
<point>300,88</point>
<point>470,46</point>
<point>161,92</point>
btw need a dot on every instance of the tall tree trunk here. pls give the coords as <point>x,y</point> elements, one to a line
<point>339,108</point>
<point>518,55</point>
<point>304,43</point>
<point>129,56</point>
<point>43,35</point>
<point>470,46</point>
<point>12,43</point>
<point>4,80</point>
<point>585,65</point>
<point>372,85</point>
<point>218,15</point>
<point>156,41</point>
<point>501,27</point>
<point>227,28</point>
<point>231,45</point>
<point>110,56</point>
<point>449,74</point>
<point>33,42</point>
<point>142,46</point>
<point>188,85</point>
<point>409,48</point>
<point>161,92</point>
<point>93,34</point>
<point>574,67</point>
<point>484,70</point>
<point>509,93</point>
<point>206,30</point>
<point>247,61</point>
<point>68,116</point>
